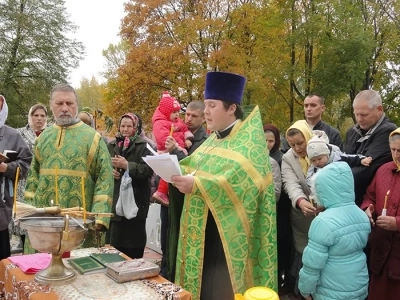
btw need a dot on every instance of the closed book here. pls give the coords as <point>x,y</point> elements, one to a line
<point>105,258</point>
<point>11,155</point>
<point>134,269</point>
<point>86,265</point>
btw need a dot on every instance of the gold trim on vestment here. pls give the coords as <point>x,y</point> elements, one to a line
<point>93,148</point>
<point>80,123</point>
<point>198,185</point>
<point>260,181</point>
<point>65,172</point>
<point>184,235</point>
<point>97,221</point>
<point>254,171</point>
<point>61,133</point>
<point>241,212</point>
<point>60,138</point>
<point>237,125</point>
<point>29,195</point>
<point>246,225</point>
<point>102,198</point>
<point>36,153</point>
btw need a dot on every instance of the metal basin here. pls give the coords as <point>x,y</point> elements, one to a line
<point>55,235</point>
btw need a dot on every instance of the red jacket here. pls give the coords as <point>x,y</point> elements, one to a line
<point>385,245</point>
<point>162,127</point>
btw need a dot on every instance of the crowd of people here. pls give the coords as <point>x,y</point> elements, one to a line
<point>308,216</point>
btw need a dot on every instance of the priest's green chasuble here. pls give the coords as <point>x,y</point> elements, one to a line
<point>75,161</point>
<point>233,180</point>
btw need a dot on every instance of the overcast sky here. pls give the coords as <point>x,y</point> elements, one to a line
<point>99,23</point>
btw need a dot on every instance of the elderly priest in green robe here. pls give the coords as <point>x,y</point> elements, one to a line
<point>228,234</point>
<point>71,160</point>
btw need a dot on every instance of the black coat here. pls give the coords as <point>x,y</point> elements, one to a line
<point>124,232</point>
<point>332,133</point>
<point>10,139</point>
<point>375,146</point>
<point>199,137</point>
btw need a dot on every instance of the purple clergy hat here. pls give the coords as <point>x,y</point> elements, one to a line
<point>224,86</point>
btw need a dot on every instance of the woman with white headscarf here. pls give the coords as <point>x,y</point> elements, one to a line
<point>37,122</point>
<point>9,140</point>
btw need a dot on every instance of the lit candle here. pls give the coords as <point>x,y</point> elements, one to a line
<point>83,199</point>
<point>384,210</point>
<point>56,185</point>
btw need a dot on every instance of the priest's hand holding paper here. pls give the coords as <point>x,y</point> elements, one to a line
<point>164,165</point>
<point>183,183</point>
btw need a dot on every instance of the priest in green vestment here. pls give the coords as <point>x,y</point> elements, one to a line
<point>71,160</point>
<point>228,226</point>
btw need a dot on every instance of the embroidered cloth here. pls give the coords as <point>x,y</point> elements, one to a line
<point>15,285</point>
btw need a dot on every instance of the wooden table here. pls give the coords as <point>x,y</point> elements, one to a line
<point>16,285</point>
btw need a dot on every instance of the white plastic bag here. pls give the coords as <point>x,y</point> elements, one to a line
<point>126,204</point>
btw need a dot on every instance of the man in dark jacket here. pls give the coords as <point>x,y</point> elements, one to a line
<point>194,119</point>
<point>369,137</point>
<point>313,108</point>
<point>170,216</point>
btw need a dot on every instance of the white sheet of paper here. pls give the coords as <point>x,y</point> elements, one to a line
<point>164,165</point>
<point>151,149</point>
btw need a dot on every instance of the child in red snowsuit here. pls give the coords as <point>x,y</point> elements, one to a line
<point>166,122</point>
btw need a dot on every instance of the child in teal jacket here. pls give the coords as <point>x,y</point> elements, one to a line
<point>334,264</point>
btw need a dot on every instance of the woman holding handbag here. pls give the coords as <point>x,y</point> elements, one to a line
<point>127,234</point>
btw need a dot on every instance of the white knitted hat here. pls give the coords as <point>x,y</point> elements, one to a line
<point>317,146</point>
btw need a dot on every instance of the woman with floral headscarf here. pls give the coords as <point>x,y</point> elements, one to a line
<point>127,150</point>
